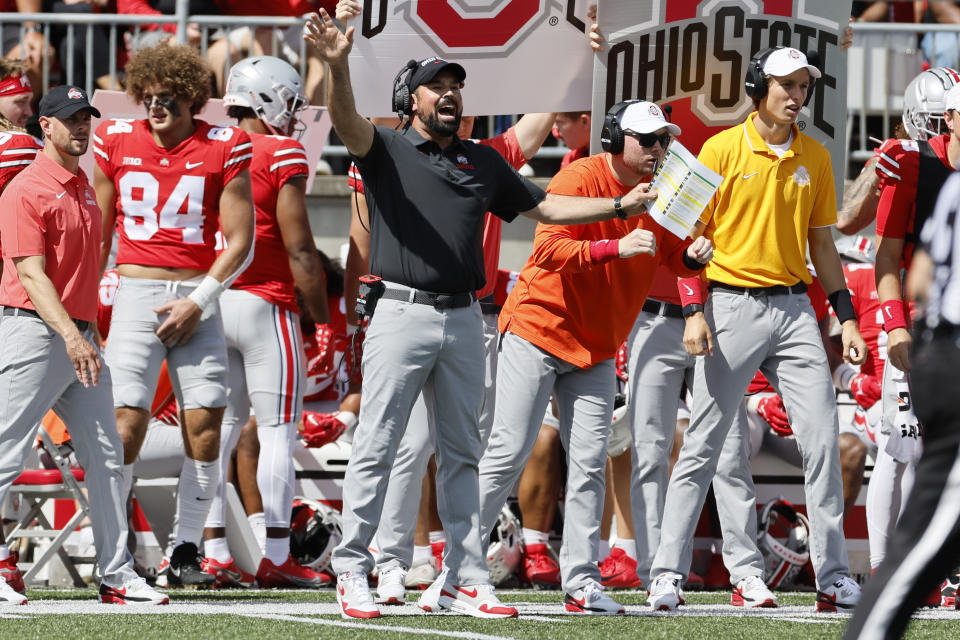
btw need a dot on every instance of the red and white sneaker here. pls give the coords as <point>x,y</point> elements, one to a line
<point>752,591</point>
<point>10,572</point>
<point>477,600</point>
<point>163,573</point>
<point>135,591</point>
<point>391,587</point>
<point>619,571</point>
<point>948,591</point>
<point>591,600</point>
<point>540,567</point>
<point>843,595</point>
<point>353,596</point>
<point>8,595</point>
<point>227,574</point>
<point>665,593</point>
<point>289,575</point>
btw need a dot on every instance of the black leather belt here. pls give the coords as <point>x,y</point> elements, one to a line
<point>776,290</point>
<point>488,306</point>
<point>666,309</point>
<point>435,300</point>
<point>82,325</point>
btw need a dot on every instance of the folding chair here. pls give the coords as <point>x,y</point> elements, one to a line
<point>35,487</point>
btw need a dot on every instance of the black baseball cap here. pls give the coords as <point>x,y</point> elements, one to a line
<point>428,68</point>
<point>63,101</point>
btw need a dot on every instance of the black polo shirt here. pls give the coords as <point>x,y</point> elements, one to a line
<point>427,208</point>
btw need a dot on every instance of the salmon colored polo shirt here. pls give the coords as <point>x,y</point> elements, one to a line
<point>48,211</point>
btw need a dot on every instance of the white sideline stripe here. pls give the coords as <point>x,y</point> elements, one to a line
<point>10,616</point>
<point>419,631</point>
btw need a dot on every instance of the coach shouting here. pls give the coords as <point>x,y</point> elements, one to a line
<point>50,224</point>
<point>427,192</point>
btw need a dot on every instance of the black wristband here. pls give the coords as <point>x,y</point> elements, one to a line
<point>690,263</point>
<point>842,305</point>
<point>618,208</point>
<point>690,309</point>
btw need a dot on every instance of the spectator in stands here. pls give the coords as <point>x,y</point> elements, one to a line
<point>28,43</point>
<point>573,128</point>
<point>941,49</point>
<point>151,34</point>
<point>238,43</point>
<point>75,56</point>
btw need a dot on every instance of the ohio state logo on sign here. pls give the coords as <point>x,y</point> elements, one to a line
<point>468,26</point>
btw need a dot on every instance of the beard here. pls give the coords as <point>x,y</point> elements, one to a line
<point>439,128</point>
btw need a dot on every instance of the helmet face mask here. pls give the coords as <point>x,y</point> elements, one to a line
<point>924,102</point>
<point>504,552</point>
<point>315,530</point>
<point>272,89</point>
<point>784,542</point>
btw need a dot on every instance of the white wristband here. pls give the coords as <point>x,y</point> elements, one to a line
<point>842,376</point>
<point>348,418</point>
<point>207,291</point>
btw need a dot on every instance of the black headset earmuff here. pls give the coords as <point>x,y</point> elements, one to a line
<point>755,82</point>
<point>402,104</point>
<point>611,135</point>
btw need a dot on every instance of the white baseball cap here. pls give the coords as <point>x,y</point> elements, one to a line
<point>646,117</point>
<point>952,99</point>
<point>783,62</point>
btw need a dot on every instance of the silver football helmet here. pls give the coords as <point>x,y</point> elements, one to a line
<point>857,248</point>
<point>272,88</point>
<point>784,542</point>
<point>504,552</point>
<point>924,102</point>
<point>315,529</point>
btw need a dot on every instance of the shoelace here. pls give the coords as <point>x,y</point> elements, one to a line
<point>135,584</point>
<point>358,586</point>
<point>592,592</point>
<point>755,582</point>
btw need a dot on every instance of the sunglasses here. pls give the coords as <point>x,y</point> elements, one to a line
<point>649,139</point>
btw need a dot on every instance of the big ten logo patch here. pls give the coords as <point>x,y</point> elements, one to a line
<point>701,50</point>
<point>471,27</point>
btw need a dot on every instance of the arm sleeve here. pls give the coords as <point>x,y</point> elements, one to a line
<point>102,147</point>
<point>513,192</point>
<point>897,194</point>
<point>289,161</point>
<point>22,226</point>
<point>507,145</point>
<point>238,153</point>
<point>673,250</point>
<point>559,248</point>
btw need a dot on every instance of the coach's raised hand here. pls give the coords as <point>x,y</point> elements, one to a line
<point>322,34</point>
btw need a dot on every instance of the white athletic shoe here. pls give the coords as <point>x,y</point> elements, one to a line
<point>135,591</point>
<point>391,588</point>
<point>353,596</point>
<point>421,574</point>
<point>430,599</point>
<point>843,595</point>
<point>665,592</point>
<point>752,591</point>
<point>591,600</point>
<point>8,595</point>
<point>477,600</point>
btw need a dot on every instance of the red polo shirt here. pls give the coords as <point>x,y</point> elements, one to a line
<point>48,211</point>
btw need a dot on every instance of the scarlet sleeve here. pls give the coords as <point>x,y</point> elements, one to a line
<point>105,141</point>
<point>144,8</point>
<point>560,248</point>
<point>289,161</point>
<point>238,151</point>
<point>673,249</point>
<point>23,225</point>
<point>898,191</point>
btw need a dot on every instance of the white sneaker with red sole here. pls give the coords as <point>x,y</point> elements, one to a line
<point>391,588</point>
<point>752,591</point>
<point>135,592</point>
<point>477,600</point>
<point>353,596</point>
<point>9,595</point>
<point>592,601</point>
<point>842,595</point>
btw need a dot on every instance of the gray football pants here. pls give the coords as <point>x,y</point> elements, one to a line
<point>411,347</point>
<point>526,376</point>
<point>395,533</point>
<point>658,365</point>
<point>778,335</point>
<point>35,376</point>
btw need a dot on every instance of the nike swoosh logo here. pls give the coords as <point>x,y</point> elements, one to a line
<point>469,594</point>
<point>687,287</point>
<point>193,165</point>
<point>745,176</point>
<point>60,195</point>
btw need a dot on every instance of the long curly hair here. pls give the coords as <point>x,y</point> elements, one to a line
<point>178,67</point>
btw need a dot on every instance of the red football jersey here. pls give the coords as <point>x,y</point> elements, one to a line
<point>898,167</point>
<point>167,208</point>
<point>17,150</point>
<point>861,281</point>
<point>276,159</point>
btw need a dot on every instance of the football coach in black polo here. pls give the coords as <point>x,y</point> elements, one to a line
<point>427,192</point>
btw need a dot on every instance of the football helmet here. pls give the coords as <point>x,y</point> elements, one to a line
<point>856,248</point>
<point>315,529</point>
<point>271,88</point>
<point>784,541</point>
<point>924,102</point>
<point>505,551</point>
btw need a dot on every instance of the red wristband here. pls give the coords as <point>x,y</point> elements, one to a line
<point>604,250</point>
<point>692,291</point>
<point>893,316</point>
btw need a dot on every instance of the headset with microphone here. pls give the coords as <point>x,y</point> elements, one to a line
<point>611,135</point>
<point>402,104</point>
<point>756,83</point>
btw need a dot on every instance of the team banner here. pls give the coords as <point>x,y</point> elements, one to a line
<point>521,56</point>
<point>117,104</point>
<point>693,55</point>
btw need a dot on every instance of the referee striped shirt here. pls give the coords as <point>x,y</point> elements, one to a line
<point>940,238</point>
